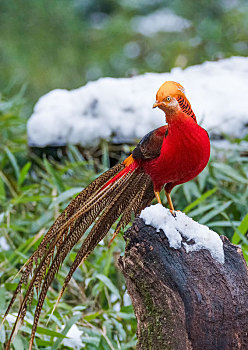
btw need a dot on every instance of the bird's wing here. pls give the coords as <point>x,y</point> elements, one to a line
<point>150,145</point>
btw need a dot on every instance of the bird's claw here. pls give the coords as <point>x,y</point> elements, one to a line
<point>173,213</point>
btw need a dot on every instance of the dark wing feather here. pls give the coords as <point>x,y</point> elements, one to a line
<point>150,145</point>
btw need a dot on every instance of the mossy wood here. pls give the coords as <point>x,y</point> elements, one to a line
<point>185,301</point>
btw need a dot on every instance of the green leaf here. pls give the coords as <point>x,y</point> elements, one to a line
<point>10,286</point>
<point>241,230</point>
<point>43,343</point>
<point>108,259</point>
<point>200,200</point>
<point>230,172</point>
<point>2,190</point>
<point>2,299</point>
<point>120,330</point>
<point>65,196</point>
<point>68,325</point>
<point>190,189</point>
<point>202,178</point>
<point>14,258</point>
<point>206,218</point>
<point>105,154</point>
<point>13,162</point>
<point>57,181</point>
<point>2,334</point>
<point>203,208</point>
<point>245,252</point>
<point>93,316</point>
<point>28,199</point>
<point>74,154</point>
<point>91,340</point>
<point>108,284</point>
<point>125,316</point>
<point>132,344</point>
<point>17,343</point>
<point>8,183</point>
<point>23,173</point>
<point>46,331</point>
<point>223,223</point>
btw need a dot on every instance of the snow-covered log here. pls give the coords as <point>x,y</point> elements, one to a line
<point>120,110</point>
<point>189,287</point>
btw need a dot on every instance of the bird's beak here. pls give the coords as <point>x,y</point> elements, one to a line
<point>158,104</point>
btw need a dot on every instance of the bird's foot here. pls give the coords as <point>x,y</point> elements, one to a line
<point>173,212</point>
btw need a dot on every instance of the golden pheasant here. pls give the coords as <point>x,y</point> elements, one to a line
<point>170,155</point>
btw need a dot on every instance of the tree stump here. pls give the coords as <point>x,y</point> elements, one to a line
<point>185,300</point>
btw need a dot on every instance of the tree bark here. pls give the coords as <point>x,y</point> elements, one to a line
<point>182,300</point>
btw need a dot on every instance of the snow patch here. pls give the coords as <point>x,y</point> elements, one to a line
<point>182,227</point>
<point>159,21</point>
<point>11,318</point>
<point>3,244</point>
<point>120,110</point>
<point>74,334</point>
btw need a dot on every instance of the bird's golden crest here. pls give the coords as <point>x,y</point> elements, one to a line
<point>170,88</point>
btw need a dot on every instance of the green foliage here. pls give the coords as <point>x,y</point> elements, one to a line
<point>65,43</point>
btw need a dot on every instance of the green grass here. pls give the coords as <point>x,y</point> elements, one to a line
<point>32,193</point>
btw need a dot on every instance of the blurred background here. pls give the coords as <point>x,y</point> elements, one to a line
<point>48,44</point>
<point>65,43</point>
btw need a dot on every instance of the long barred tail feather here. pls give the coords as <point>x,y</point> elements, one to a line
<point>118,192</point>
<point>144,191</point>
<point>50,236</point>
<point>86,221</point>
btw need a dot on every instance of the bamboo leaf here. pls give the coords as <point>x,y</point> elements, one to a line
<point>200,200</point>
<point>46,331</point>
<point>2,335</point>
<point>2,299</point>
<point>17,343</point>
<point>223,223</point>
<point>202,209</point>
<point>241,230</point>
<point>2,190</point>
<point>108,284</point>
<point>65,196</point>
<point>23,173</point>
<point>68,325</point>
<point>230,172</point>
<point>55,176</point>
<point>214,212</point>
<point>13,162</point>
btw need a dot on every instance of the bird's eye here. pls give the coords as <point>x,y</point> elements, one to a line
<point>168,98</point>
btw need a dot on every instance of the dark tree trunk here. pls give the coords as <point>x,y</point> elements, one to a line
<point>185,300</point>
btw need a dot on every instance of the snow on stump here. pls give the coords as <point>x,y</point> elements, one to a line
<point>189,287</point>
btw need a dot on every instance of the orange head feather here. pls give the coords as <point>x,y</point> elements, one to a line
<point>171,98</point>
<point>170,88</point>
